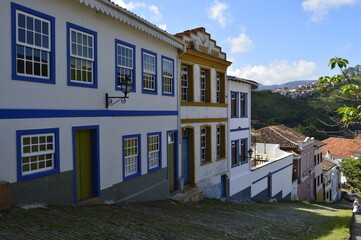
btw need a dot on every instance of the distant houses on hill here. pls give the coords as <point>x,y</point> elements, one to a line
<point>299,91</point>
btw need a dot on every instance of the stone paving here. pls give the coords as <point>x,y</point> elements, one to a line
<point>356,228</point>
<point>208,219</point>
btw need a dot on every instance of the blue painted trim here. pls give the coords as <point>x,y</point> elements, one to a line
<point>239,129</point>
<point>272,173</point>
<point>95,67</point>
<point>56,169</point>
<point>52,65</point>
<point>165,93</point>
<point>63,113</point>
<point>175,157</point>
<point>237,103</point>
<point>155,92</point>
<point>120,42</point>
<point>246,104</point>
<point>139,172</point>
<point>95,161</point>
<point>160,151</point>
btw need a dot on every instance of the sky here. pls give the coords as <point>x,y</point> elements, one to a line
<point>268,41</point>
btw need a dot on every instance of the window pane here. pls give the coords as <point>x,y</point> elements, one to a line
<point>37,25</point>
<point>29,37</point>
<point>21,35</point>
<point>21,20</point>
<point>29,23</point>
<point>45,42</point>
<point>45,28</point>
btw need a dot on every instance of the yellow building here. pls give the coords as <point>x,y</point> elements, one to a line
<point>203,113</point>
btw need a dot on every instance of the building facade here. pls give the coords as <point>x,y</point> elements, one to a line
<point>307,159</point>
<point>60,142</point>
<point>203,113</point>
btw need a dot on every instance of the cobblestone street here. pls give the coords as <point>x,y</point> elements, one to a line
<point>209,219</point>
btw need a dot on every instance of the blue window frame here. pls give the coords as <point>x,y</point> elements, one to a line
<point>167,76</point>
<point>149,72</point>
<point>131,156</point>
<point>37,153</point>
<point>243,101</point>
<point>33,45</point>
<point>125,63</point>
<point>234,104</point>
<point>81,56</point>
<point>154,143</point>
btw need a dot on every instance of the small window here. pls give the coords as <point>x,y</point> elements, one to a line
<point>125,61</point>
<point>131,156</point>
<point>221,141</point>
<point>185,82</point>
<point>235,150</point>
<point>243,153</point>
<point>149,71</point>
<point>154,153</point>
<point>82,61</point>
<point>243,104</point>
<point>167,76</point>
<point>205,147</point>
<point>234,104</point>
<point>38,153</point>
<point>33,45</point>
<point>203,86</point>
<point>218,88</point>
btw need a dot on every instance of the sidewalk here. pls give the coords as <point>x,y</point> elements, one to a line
<point>356,228</point>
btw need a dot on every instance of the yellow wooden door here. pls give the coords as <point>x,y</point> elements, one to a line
<point>83,163</point>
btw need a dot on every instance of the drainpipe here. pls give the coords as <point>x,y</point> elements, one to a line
<point>180,165</point>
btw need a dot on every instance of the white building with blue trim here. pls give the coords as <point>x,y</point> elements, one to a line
<point>60,144</point>
<point>258,172</point>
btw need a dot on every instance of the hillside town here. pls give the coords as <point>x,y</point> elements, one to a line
<point>299,91</point>
<point>108,108</point>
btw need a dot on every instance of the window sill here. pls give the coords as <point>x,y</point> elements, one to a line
<point>221,159</point>
<point>205,163</point>
<point>202,104</point>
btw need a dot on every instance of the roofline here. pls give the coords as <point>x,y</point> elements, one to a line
<point>111,9</point>
<point>242,80</point>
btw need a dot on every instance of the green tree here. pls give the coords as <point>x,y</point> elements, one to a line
<point>351,169</point>
<point>348,90</point>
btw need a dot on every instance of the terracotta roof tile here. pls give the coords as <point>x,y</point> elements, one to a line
<point>327,165</point>
<point>280,134</point>
<point>342,147</point>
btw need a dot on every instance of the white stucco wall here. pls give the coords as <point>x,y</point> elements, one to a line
<point>31,95</point>
<point>281,171</point>
<point>240,128</point>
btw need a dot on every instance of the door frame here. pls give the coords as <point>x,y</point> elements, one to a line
<point>95,153</point>
<point>176,161</point>
<point>191,149</point>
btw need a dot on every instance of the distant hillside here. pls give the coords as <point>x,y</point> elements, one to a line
<point>288,85</point>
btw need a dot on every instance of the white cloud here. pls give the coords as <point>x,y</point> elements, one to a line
<point>320,8</point>
<point>217,12</point>
<point>149,12</point>
<point>277,72</point>
<point>163,26</point>
<point>240,44</point>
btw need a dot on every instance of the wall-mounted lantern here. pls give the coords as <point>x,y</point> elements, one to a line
<point>126,86</point>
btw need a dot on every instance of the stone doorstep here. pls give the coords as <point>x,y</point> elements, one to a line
<point>90,202</point>
<point>190,194</point>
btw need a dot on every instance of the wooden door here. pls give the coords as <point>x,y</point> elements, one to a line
<point>83,163</point>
